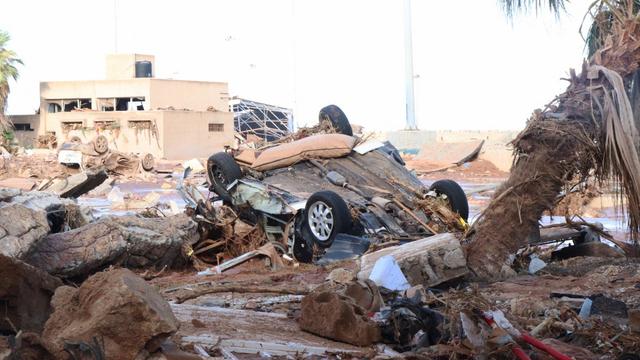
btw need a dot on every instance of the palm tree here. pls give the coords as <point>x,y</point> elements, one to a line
<point>8,70</point>
<point>585,137</point>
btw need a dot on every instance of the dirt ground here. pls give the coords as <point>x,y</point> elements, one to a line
<point>251,311</point>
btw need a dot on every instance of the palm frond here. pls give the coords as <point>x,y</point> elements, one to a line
<point>513,7</point>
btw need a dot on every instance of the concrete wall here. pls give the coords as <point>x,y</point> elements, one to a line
<point>192,95</point>
<point>187,135</point>
<point>26,138</point>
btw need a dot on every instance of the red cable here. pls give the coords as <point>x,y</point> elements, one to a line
<point>544,347</point>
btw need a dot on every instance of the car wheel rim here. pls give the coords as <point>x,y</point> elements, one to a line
<point>320,220</point>
<point>219,177</point>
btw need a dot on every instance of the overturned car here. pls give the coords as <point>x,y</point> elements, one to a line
<point>308,192</point>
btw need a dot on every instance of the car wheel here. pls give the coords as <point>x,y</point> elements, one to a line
<point>101,144</point>
<point>222,170</point>
<point>456,196</point>
<point>148,162</point>
<point>326,215</point>
<point>337,118</point>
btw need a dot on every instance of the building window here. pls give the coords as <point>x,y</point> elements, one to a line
<point>216,127</point>
<point>105,124</point>
<point>54,107</point>
<point>130,104</point>
<point>72,125</point>
<point>140,124</point>
<point>22,126</point>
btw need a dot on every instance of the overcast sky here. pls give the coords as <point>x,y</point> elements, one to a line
<point>474,69</point>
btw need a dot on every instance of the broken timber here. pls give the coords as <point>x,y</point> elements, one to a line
<point>429,261</point>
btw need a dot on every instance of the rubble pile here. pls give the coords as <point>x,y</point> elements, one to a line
<point>301,248</point>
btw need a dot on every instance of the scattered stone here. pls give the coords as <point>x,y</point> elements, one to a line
<point>341,276</point>
<point>117,307</point>
<point>25,293</point>
<point>332,316</point>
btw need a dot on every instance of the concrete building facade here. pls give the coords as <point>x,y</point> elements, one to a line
<point>171,119</point>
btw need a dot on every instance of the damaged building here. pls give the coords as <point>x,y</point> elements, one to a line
<point>138,113</point>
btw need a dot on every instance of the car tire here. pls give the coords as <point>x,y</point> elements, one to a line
<point>222,170</point>
<point>101,144</point>
<point>337,118</point>
<point>148,162</point>
<point>456,196</point>
<point>326,215</point>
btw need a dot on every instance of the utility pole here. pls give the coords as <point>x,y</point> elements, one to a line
<point>408,70</point>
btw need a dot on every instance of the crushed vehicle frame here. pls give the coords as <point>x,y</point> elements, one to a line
<point>366,193</point>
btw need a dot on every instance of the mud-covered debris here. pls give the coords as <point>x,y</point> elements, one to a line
<point>115,313</point>
<point>20,229</point>
<point>411,325</point>
<point>126,240</point>
<point>25,294</point>
<point>337,317</point>
<point>429,261</point>
<point>593,248</point>
<point>78,184</point>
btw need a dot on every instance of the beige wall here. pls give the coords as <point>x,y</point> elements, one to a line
<point>187,135</point>
<point>94,89</point>
<point>175,135</point>
<point>122,135</point>
<point>123,66</point>
<point>192,95</point>
<point>26,138</point>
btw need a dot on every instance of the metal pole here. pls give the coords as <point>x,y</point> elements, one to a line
<point>115,26</point>
<point>408,69</point>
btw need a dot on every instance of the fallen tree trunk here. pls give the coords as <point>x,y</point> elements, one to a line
<point>127,241</point>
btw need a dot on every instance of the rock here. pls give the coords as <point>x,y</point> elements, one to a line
<point>429,261</point>
<point>341,276</point>
<point>634,320</point>
<point>336,317</point>
<point>127,240</point>
<point>117,307</point>
<point>61,213</point>
<point>20,229</point>
<point>25,295</point>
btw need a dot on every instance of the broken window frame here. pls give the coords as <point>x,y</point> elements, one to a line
<point>23,127</point>
<point>123,103</point>
<point>216,127</point>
